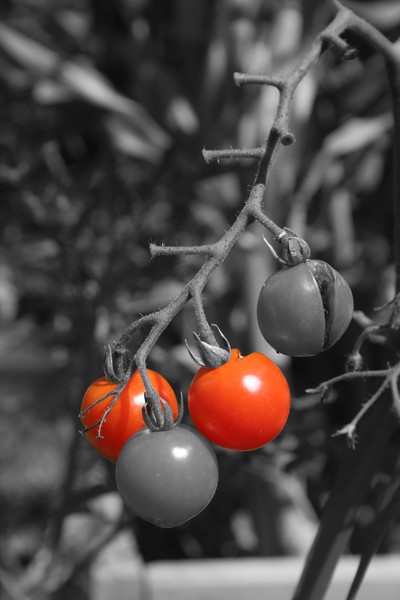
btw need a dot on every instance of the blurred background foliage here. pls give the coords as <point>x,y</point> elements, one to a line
<point>105,110</point>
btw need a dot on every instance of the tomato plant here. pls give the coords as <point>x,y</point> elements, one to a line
<point>241,405</point>
<point>167,477</point>
<point>304,309</point>
<point>125,418</point>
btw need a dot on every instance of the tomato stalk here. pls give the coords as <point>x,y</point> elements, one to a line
<point>265,155</point>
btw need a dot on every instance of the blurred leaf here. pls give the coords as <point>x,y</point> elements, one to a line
<point>181,116</point>
<point>385,515</point>
<point>47,91</point>
<point>125,139</point>
<point>28,53</point>
<point>82,79</point>
<point>370,169</point>
<point>342,226</point>
<point>358,467</point>
<point>75,23</point>
<point>8,293</point>
<point>355,134</point>
<point>287,32</point>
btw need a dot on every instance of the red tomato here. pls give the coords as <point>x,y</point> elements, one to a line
<point>125,419</point>
<point>167,477</point>
<point>241,405</point>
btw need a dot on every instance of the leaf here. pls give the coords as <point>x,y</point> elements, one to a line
<point>354,135</point>
<point>128,141</point>
<point>385,515</point>
<point>28,53</point>
<point>82,79</point>
<point>357,469</point>
<point>357,133</point>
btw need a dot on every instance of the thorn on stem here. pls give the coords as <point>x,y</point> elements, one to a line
<point>342,48</point>
<point>354,362</point>
<point>287,139</point>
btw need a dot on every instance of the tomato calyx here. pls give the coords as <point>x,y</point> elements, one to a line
<point>211,356</point>
<point>157,413</point>
<point>117,362</point>
<point>297,249</point>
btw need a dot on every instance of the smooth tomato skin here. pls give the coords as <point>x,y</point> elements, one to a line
<point>167,477</point>
<point>125,419</point>
<point>242,405</point>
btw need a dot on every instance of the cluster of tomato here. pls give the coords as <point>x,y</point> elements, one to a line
<point>169,476</point>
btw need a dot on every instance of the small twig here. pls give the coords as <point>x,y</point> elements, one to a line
<point>246,79</point>
<point>395,393</point>
<point>350,429</point>
<point>105,414</point>
<point>209,250</point>
<point>95,403</point>
<point>346,377</point>
<point>233,154</point>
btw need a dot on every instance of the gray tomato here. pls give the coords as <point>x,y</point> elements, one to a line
<point>167,477</point>
<point>305,309</point>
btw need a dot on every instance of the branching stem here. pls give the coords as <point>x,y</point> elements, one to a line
<point>252,210</point>
<point>348,376</point>
<point>391,379</point>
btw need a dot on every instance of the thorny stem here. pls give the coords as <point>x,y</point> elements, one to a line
<point>245,79</point>
<point>233,153</point>
<point>253,208</point>
<point>205,332</point>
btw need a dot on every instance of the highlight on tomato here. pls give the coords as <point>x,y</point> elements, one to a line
<point>167,477</point>
<point>241,405</point>
<point>125,419</point>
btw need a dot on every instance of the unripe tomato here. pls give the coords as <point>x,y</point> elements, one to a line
<point>125,418</point>
<point>167,477</point>
<point>241,405</point>
<point>305,309</point>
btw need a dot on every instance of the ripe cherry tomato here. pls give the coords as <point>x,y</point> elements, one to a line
<point>167,477</point>
<point>125,418</point>
<point>305,309</point>
<point>241,405</point>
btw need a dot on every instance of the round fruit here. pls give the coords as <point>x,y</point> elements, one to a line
<point>305,309</point>
<point>125,419</point>
<point>167,477</point>
<point>241,405</point>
